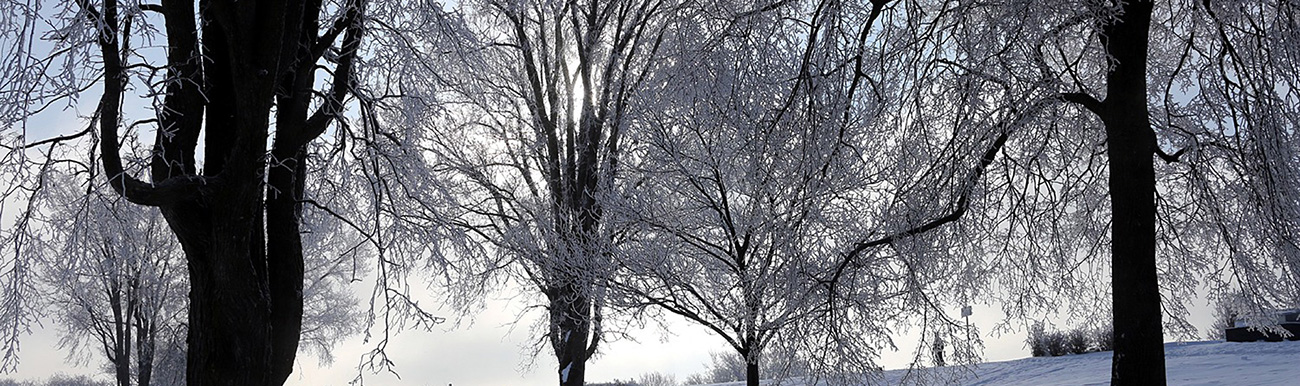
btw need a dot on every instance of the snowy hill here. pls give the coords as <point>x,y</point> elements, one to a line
<point>1195,363</point>
<point>1192,363</point>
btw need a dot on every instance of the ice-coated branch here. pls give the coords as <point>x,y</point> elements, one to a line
<point>962,204</point>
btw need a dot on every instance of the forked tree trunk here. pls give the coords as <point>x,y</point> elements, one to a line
<point>243,249</point>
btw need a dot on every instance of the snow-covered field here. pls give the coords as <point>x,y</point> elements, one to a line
<point>1191,363</point>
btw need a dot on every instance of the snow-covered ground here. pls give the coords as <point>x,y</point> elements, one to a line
<point>1191,363</point>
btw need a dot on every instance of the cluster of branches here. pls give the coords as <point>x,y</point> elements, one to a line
<point>717,164</point>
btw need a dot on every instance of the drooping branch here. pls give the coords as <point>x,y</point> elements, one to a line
<point>963,203</point>
<point>1087,101</point>
<point>56,140</point>
<point>1170,158</point>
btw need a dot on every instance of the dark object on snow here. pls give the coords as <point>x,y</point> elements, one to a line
<point>937,350</point>
<point>1289,320</point>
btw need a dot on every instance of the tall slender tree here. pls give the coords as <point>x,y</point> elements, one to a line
<point>1130,148</point>
<point>531,144</point>
<point>1135,82</point>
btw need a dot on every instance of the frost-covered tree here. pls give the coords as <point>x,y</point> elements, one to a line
<point>1160,124</point>
<point>113,278</point>
<point>116,278</point>
<point>230,95</point>
<point>528,139</point>
<point>735,193</point>
<point>780,175</point>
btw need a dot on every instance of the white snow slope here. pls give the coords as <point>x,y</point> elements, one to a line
<point>1191,363</point>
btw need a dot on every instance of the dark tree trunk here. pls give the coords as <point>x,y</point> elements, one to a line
<point>570,314</point>
<point>284,260</point>
<point>751,373</point>
<point>221,233</point>
<point>229,316</point>
<point>121,356</point>
<point>1139,343</point>
<point>146,338</point>
<point>243,250</point>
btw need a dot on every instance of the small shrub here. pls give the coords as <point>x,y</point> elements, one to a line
<point>74,380</point>
<point>936,351</point>
<point>697,379</point>
<point>1056,344</point>
<point>1076,342</point>
<point>616,382</point>
<point>657,379</point>
<point>1037,340</point>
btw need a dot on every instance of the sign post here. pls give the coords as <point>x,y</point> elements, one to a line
<point>965,313</point>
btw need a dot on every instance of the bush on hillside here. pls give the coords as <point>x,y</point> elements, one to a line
<point>1037,344</point>
<point>1076,341</point>
<point>1056,344</point>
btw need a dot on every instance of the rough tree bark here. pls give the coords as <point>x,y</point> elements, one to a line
<point>1131,146</point>
<point>571,316</point>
